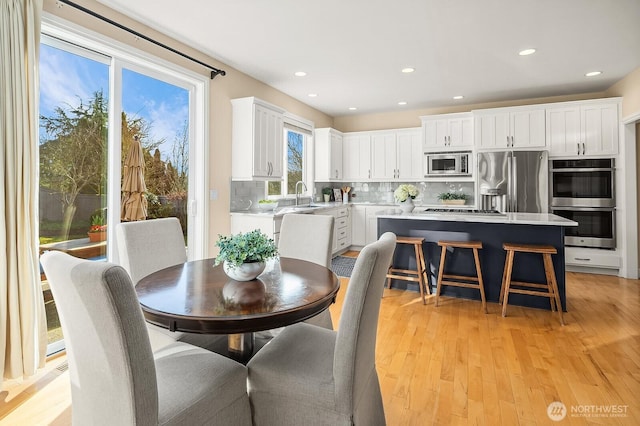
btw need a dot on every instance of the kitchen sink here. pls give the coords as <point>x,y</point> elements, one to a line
<point>298,209</point>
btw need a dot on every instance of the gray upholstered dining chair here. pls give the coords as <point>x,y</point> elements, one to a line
<point>147,246</point>
<point>308,237</point>
<point>311,375</point>
<point>115,377</point>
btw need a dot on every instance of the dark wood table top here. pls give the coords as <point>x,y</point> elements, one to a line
<point>199,297</point>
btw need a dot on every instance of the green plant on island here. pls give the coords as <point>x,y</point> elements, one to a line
<point>452,196</point>
<point>249,247</point>
<point>265,201</point>
<point>327,191</point>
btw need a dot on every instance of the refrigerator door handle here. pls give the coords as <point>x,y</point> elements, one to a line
<point>507,206</point>
<point>514,186</point>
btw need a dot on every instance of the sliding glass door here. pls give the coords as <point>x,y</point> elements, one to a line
<point>93,108</point>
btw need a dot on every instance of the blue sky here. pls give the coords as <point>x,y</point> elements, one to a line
<point>67,78</point>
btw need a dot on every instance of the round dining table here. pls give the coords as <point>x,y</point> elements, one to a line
<point>198,297</point>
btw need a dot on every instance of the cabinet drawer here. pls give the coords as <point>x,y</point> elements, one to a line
<point>594,260</point>
<point>341,222</point>
<point>343,212</point>
<point>342,233</point>
<point>342,243</point>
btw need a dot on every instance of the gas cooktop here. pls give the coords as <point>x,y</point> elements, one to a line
<point>465,211</point>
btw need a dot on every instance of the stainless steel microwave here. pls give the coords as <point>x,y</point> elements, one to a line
<point>448,164</point>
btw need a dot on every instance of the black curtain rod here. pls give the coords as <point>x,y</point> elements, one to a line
<point>214,71</point>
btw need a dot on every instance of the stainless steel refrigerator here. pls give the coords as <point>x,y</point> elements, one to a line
<point>514,181</point>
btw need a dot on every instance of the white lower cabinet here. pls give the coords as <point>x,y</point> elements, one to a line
<point>365,224</point>
<point>358,225</point>
<point>341,228</point>
<point>371,233</point>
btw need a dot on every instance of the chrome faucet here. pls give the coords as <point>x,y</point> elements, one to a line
<point>298,193</point>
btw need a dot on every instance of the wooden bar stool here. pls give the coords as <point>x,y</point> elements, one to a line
<point>474,245</point>
<point>551,287</point>
<point>419,274</point>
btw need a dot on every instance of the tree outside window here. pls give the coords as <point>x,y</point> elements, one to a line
<point>294,167</point>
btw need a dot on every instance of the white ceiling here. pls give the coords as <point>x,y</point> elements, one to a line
<point>353,50</point>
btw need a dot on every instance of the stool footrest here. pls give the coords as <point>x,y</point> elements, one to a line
<point>457,284</point>
<point>403,277</point>
<point>404,271</point>
<point>532,285</point>
<point>530,292</point>
<point>461,277</point>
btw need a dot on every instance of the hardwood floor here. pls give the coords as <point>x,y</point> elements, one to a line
<point>456,365</point>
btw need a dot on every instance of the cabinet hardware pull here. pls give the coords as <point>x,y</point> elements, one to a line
<point>586,259</point>
<point>578,148</point>
<point>512,142</point>
<point>582,148</point>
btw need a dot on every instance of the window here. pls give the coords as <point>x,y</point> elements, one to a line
<point>297,133</point>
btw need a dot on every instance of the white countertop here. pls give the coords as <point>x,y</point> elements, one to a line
<point>280,211</point>
<point>507,218</point>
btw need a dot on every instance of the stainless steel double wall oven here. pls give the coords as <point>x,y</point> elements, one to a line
<point>583,190</point>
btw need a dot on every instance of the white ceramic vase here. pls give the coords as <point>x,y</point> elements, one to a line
<point>407,205</point>
<point>244,272</point>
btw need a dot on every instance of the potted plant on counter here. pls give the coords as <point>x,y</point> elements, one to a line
<point>452,198</point>
<point>326,194</point>
<point>243,255</point>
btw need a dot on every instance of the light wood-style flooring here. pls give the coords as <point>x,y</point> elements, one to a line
<point>456,365</point>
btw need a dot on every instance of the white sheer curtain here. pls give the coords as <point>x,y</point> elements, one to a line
<point>23,330</point>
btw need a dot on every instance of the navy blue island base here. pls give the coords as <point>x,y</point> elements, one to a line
<point>527,267</point>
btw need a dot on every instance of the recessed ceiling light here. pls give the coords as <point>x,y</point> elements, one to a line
<point>593,73</point>
<point>402,103</point>
<point>299,73</point>
<point>312,95</point>
<point>458,97</point>
<point>526,52</point>
<point>352,108</point>
<point>408,70</point>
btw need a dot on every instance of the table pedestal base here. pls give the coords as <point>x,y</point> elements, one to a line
<point>240,346</point>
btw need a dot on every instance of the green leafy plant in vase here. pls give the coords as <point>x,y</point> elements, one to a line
<point>243,255</point>
<point>455,198</point>
<point>326,194</point>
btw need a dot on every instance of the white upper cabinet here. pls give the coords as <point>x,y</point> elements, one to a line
<point>396,155</point>
<point>446,132</point>
<point>328,155</point>
<point>410,155</point>
<point>586,128</point>
<point>510,128</point>
<point>257,140</point>
<point>384,156</point>
<point>356,156</point>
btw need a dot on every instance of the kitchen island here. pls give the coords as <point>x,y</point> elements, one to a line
<point>492,230</point>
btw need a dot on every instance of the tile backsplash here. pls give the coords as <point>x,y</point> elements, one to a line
<point>382,192</point>
<point>245,194</point>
